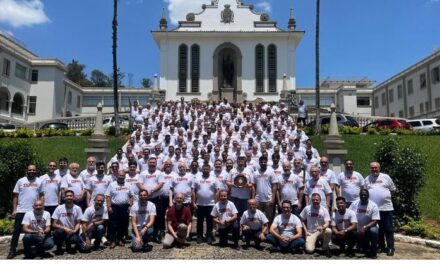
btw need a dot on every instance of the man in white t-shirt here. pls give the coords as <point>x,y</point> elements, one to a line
<point>26,191</point>
<point>367,214</point>
<point>97,184</point>
<point>254,224</point>
<point>240,195</point>
<point>66,224</point>
<point>381,188</point>
<point>224,215</point>
<point>93,224</point>
<point>143,214</point>
<point>72,181</point>
<point>265,184</point>
<point>286,230</point>
<point>182,183</point>
<point>344,225</point>
<point>316,223</point>
<point>318,185</point>
<point>51,186</point>
<point>291,188</point>
<point>349,184</point>
<point>36,226</point>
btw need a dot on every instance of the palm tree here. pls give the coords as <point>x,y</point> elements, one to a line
<point>115,66</point>
<point>318,102</point>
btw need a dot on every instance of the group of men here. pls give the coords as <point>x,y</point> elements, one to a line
<point>250,171</point>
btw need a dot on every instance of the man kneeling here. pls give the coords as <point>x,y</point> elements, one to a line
<point>286,230</point>
<point>179,222</point>
<point>142,216</point>
<point>93,224</point>
<point>254,224</point>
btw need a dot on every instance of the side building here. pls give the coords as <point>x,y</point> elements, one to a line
<point>413,93</point>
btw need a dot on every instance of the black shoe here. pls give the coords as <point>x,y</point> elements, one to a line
<point>199,240</point>
<point>382,250</point>
<point>328,253</point>
<point>390,252</point>
<point>59,251</point>
<point>11,254</point>
<point>371,256</point>
<point>209,240</point>
<point>349,253</point>
<point>236,246</point>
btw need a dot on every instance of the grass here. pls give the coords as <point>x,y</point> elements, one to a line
<point>54,148</point>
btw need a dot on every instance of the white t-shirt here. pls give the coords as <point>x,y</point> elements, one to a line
<point>263,182</point>
<point>98,185</point>
<point>50,186</point>
<point>150,181</point>
<point>167,178</point>
<point>221,179</point>
<point>132,182</point>
<point>142,213</point>
<point>380,189</point>
<point>365,213</point>
<point>67,217</point>
<point>36,222</point>
<point>224,211</point>
<point>91,215</point>
<point>183,184</point>
<point>343,221</point>
<point>329,175</point>
<point>205,189</point>
<point>350,185</point>
<point>86,175</point>
<point>288,186</point>
<point>319,186</point>
<point>254,220</point>
<point>241,193</point>
<point>28,192</point>
<point>75,184</point>
<point>314,217</point>
<point>119,193</point>
<point>286,226</point>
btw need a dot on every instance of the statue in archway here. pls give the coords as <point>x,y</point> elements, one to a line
<point>228,71</point>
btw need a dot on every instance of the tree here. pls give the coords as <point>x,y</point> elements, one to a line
<point>318,102</point>
<point>75,73</point>
<point>99,79</point>
<point>121,76</point>
<point>146,83</point>
<point>115,66</point>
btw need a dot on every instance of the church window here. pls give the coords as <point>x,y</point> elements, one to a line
<point>183,69</point>
<point>259,68</point>
<point>272,68</point>
<point>195,68</point>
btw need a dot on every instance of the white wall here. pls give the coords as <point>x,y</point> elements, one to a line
<point>44,90</point>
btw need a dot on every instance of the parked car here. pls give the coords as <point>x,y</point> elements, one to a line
<point>392,124</point>
<point>109,122</point>
<point>7,127</point>
<point>425,124</point>
<point>343,120</point>
<point>55,125</point>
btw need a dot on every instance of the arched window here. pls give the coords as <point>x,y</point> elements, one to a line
<point>195,68</point>
<point>183,68</point>
<point>272,67</point>
<point>259,68</point>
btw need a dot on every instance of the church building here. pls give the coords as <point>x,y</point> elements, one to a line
<point>227,50</point>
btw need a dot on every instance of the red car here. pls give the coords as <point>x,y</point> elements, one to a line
<point>392,124</point>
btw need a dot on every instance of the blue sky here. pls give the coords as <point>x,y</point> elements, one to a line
<point>359,38</point>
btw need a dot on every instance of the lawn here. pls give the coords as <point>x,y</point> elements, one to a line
<point>361,150</point>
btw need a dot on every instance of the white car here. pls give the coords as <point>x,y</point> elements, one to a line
<point>7,127</point>
<point>426,124</point>
<point>108,122</point>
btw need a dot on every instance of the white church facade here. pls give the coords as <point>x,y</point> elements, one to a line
<point>227,50</point>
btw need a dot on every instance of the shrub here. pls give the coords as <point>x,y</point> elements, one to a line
<point>2,133</point>
<point>86,132</point>
<point>406,165</point>
<point>125,131</point>
<point>309,130</point>
<point>325,129</point>
<point>39,132</point>
<point>400,131</point>
<point>68,132</point>
<point>15,155</point>
<point>6,225</point>
<point>385,131</point>
<point>418,228</point>
<point>23,133</point>
<point>372,131</point>
<point>111,131</point>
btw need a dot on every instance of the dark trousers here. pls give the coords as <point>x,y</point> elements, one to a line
<point>17,230</point>
<point>386,231</point>
<point>240,204</point>
<point>161,204</point>
<point>118,222</point>
<point>368,242</point>
<point>59,236</point>
<point>294,245</point>
<point>254,235</point>
<point>41,243</point>
<point>50,209</point>
<point>348,240</point>
<point>223,233</point>
<point>204,214</point>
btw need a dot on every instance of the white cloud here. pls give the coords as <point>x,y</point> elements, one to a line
<point>19,13</point>
<point>264,6</point>
<point>179,8</point>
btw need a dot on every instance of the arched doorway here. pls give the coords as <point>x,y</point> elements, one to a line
<point>4,100</point>
<point>17,105</point>
<point>227,73</point>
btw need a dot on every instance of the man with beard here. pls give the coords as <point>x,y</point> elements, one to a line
<point>26,191</point>
<point>143,214</point>
<point>291,188</point>
<point>265,184</point>
<point>93,223</point>
<point>349,184</point>
<point>254,224</point>
<point>97,184</point>
<point>240,195</point>
<point>179,223</point>
<point>224,215</point>
<point>50,186</point>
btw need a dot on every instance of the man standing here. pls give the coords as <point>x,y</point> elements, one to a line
<point>36,226</point>
<point>26,191</point>
<point>93,224</point>
<point>97,184</point>
<point>240,195</point>
<point>349,183</point>
<point>291,188</point>
<point>72,181</point>
<point>224,215</point>
<point>344,225</point>
<point>318,185</point>
<point>254,224</point>
<point>302,113</point>
<point>367,214</point>
<point>381,188</point>
<point>265,183</point>
<point>179,223</point>
<point>50,186</point>
<point>286,230</point>
<point>66,224</point>
<point>316,223</point>
<point>143,214</point>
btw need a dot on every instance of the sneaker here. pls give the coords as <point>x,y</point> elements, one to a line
<point>104,240</point>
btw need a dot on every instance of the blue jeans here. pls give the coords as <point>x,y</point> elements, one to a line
<point>294,245</point>
<point>41,243</point>
<point>97,233</point>
<point>369,240</point>
<point>386,231</point>
<point>144,238</point>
